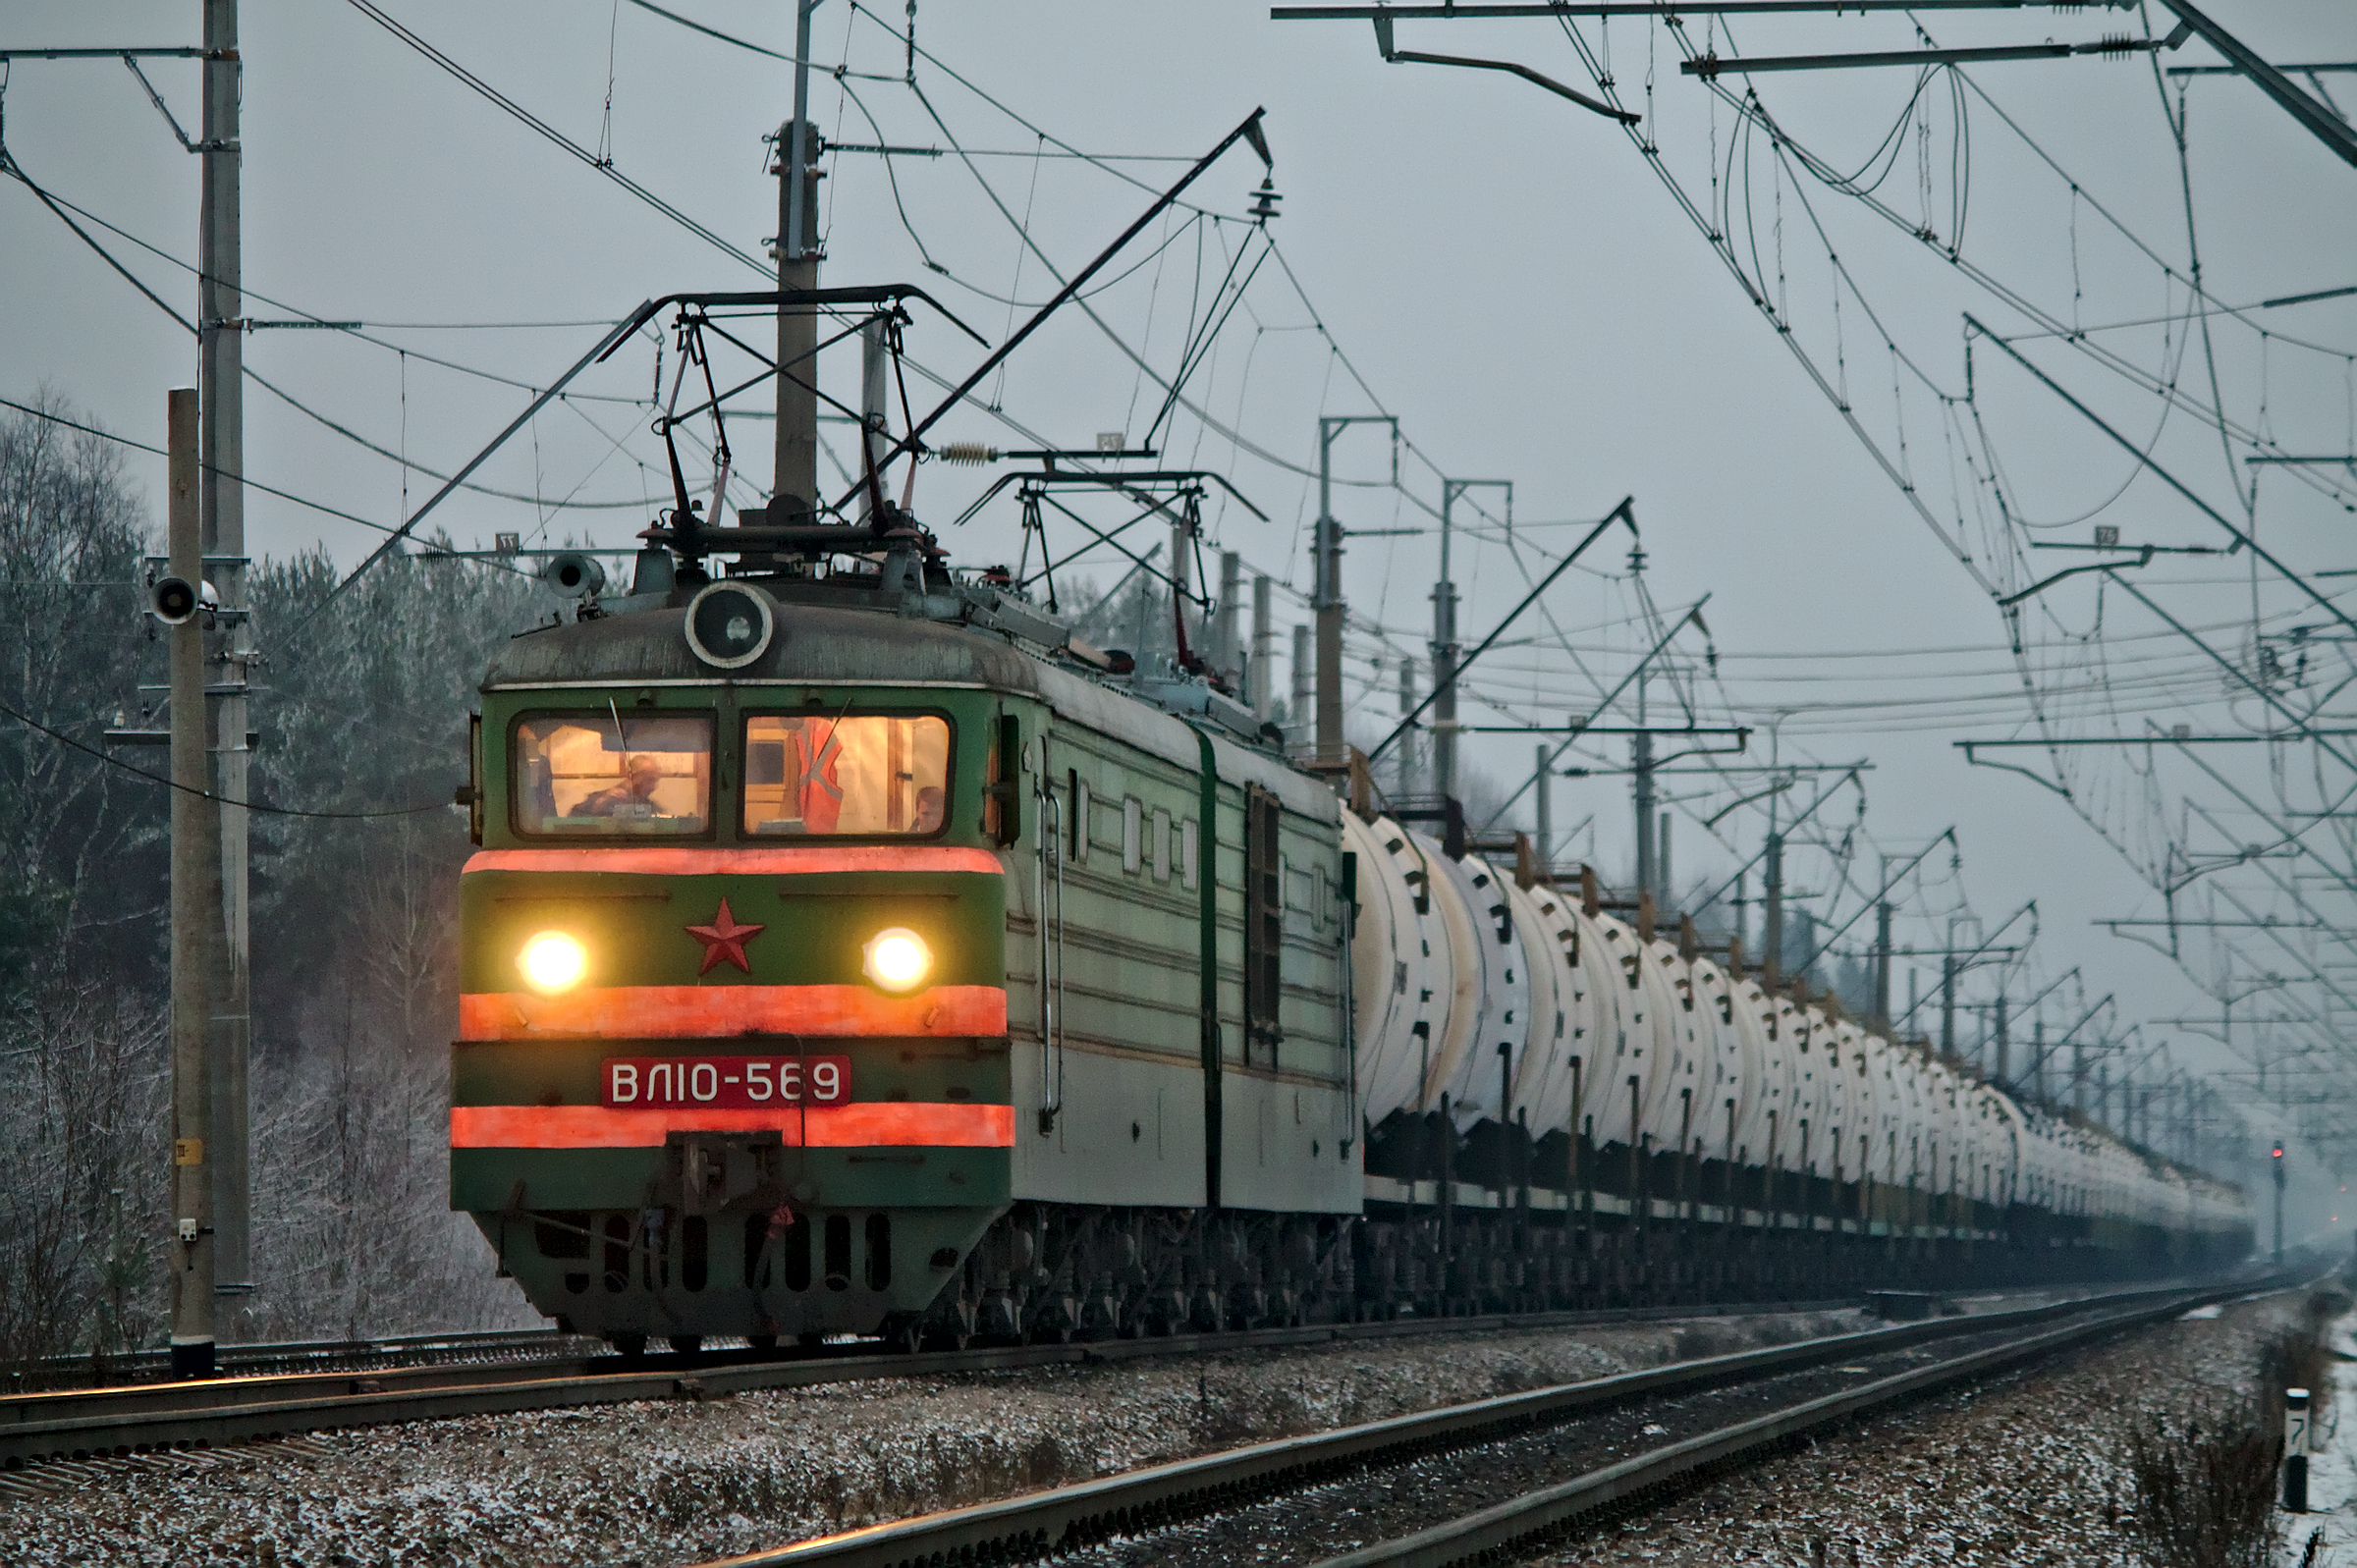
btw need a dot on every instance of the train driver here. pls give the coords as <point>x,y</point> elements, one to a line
<point>634,797</point>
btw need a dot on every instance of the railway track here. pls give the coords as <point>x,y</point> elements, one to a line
<point>1488,1480</point>
<point>58,1373</point>
<point>372,1383</point>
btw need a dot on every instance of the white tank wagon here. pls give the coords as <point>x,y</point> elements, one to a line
<point>1563,1105</point>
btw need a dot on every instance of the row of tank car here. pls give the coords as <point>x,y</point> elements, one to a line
<point>1562,1105</point>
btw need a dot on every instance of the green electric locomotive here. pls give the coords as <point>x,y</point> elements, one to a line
<point>848,951</point>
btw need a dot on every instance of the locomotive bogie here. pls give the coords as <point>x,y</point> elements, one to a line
<point>662,1267</point>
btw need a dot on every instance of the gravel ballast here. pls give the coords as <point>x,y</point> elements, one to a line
<point>2023,1469</point>
<point>682,1480</point>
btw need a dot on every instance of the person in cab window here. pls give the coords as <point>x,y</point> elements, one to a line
<point>928,810</point>
<point>634,797</point>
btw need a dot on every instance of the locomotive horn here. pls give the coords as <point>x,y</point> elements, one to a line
<point>571,571</point>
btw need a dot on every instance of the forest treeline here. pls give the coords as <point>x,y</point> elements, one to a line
<point>353,928</point>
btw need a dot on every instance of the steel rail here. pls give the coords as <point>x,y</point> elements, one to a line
<point>1063,1518</point>
<point>1527,1523</point>
<point>47,1371</point>
<point>81,1423</point>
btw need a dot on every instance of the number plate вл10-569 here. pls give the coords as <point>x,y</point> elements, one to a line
<point>724,1083</point>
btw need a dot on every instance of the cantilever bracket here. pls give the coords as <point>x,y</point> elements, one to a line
<point>2144,558</point>
<point>2038,778</point>
<point>1383,41</point>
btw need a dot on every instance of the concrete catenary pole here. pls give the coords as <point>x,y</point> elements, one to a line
<point>1407,742</point>
<point>2003,1072</point>
<point>1298,728</point>
<point>2279,1164</point>
<point>1326,589</point>
<point>1661,891</point>
<point>1445,647</point>
<point>1230,659</point>
<point>195,902</point>
<point>1882,960</point>
<point>1947,997</point>
<point>221,530</point>
<point>1443,659</point>
<point>1772,904</point>
<point>1640,760</point>
<point>797,490</point>
<point>1325,601</point>
<point>875,406</point>
<point>1641,769</point>
<point>1183,582</point>
<point>1264,647</point>
<point>1543,782</point>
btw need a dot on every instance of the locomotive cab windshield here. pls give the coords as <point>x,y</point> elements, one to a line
<point>808,774</point>
<point>596,772</point>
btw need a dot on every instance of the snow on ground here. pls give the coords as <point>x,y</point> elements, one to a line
<point>2332,1469</point>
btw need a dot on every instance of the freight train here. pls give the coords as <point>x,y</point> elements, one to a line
<point>851,949</point>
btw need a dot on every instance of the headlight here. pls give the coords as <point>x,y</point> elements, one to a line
<point>895,958</point>
<point>551,961</point>
<point>729,624</point>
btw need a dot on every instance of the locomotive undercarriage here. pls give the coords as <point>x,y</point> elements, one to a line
<point>1062,1272</point>
<point>1058,1272</point>
<point>1572,1226</point>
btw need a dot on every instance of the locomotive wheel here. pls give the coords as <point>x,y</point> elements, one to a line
<point>762,1344</point>
<point>687,1344</point>
<point>629,1345</point>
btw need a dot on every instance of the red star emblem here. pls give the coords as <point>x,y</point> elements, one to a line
<point>724,938</point>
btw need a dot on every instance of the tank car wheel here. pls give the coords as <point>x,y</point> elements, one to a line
<point>687,1344</point>
<point>629,1345</point>
<point>762,1344</point>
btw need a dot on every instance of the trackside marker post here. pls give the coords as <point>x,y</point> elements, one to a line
<point>2295,1450</point>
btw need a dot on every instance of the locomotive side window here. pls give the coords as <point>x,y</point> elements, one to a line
<point>808,774</point>
<point>600,773</point>
<point>1264,925</point>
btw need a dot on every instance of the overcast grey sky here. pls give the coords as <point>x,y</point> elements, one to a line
<point>1510,275</point>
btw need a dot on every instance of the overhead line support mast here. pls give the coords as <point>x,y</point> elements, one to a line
<point>221,512</point>
<point>796,493</point>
